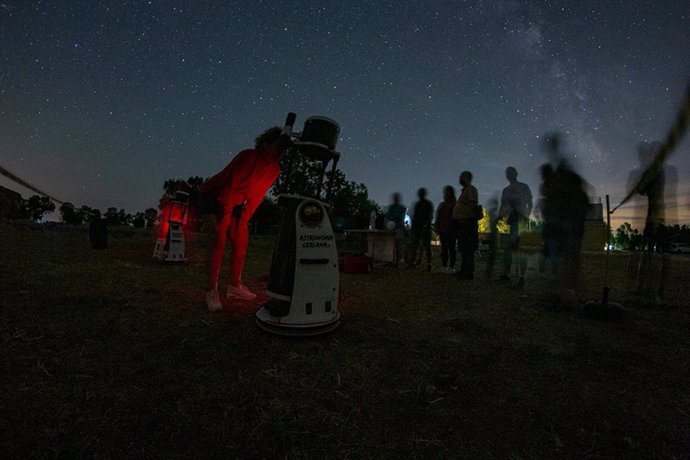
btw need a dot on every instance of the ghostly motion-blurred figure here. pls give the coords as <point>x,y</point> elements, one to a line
<point>660,191</point>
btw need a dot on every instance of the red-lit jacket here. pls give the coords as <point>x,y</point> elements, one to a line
<point>247,178</point>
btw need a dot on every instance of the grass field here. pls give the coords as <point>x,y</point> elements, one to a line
<point>110,354</point>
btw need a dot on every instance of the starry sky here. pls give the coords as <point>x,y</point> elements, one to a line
<point>101,101</point>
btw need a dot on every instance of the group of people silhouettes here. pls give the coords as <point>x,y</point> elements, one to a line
<point>228,200</point>
<point>456,225</point>
<point>563,205</point>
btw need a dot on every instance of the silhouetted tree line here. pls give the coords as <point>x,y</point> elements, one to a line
<point>36,206</point>
<point>350,200</point>
<point>114,217</point>
<point>191,185</point>
<point>628,238</point>
<point>351,205</point>
<point>33,208</point>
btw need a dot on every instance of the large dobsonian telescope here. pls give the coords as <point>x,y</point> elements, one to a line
<point>303,282</point>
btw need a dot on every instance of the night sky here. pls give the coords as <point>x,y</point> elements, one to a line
<point>101,101</point>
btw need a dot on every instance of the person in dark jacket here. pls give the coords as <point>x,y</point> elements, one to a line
<point>444,228</point>
<point>465,221</point>
<point>421,229</point>
<point>565,208</point>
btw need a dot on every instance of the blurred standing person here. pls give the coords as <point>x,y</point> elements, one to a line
<point>659,189</point>
<point>467,230</point>
<point>422,216</point>
<point>544,213</point>
<point>566,203</point>
<point>516,207</point>
<point>444,228</point>
<point>637,202</point>
<point>395,214</point>
<point>492,211</point>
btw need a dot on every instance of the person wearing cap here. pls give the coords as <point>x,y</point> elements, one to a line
<point>227,202</point>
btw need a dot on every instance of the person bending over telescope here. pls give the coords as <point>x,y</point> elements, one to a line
<point>228,200</point>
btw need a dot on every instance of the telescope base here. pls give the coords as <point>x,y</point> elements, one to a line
<point>277,325</point>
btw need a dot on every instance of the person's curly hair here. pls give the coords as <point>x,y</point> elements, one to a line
<point>269,136</point>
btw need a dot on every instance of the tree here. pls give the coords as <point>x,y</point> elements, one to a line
<point>171,187</point>
<point>194,182</point>
<point>150,215</point>
<point>124,218</point>
<point>190,185</point>
<point>627,237</point>
<point>139,220</point>
<point>484,223</point>
<point>677,233</point>
<point>11,204</point>
<point>70,215</point>
<point>112,217</point>
<point>298,174</point>
<point>36,206</point>
<point>23,210</point>
<point>350,200</point>
<point>266,215</point>
<point>85,213</point>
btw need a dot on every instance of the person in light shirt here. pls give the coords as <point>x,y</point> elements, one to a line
<point>395,215</point>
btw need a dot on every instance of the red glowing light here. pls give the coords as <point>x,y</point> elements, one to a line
<point>172,210</point>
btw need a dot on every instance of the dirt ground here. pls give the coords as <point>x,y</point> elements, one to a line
<point>111,354</point>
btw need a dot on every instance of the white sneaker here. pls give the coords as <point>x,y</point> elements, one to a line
<point>213,301</point>
<point>240,292</point>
